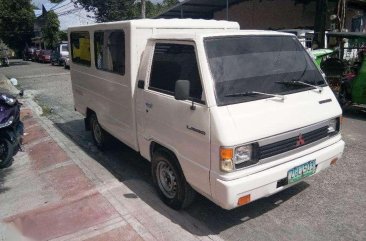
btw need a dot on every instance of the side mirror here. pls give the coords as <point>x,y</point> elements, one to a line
<point>182,88</point>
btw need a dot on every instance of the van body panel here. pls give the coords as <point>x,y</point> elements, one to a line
<point>265,183</point>
<point>252,121</point>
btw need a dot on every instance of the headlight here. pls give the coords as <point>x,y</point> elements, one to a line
<point>8,100</point>
<point>8,122</point>
<point>237,157</point>
<point>334,125</point>
<point>242,154</point>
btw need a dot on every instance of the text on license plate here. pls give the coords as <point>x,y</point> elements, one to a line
<point>299,172</point>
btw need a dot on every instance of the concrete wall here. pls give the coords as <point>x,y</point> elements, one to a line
<point>270,14</point>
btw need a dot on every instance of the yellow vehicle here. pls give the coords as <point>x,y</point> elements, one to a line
<point>81,49</point>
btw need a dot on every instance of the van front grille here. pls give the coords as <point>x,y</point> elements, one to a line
<point>292,143</point>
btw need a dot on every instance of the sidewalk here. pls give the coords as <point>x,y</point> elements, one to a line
<point>55,191</point>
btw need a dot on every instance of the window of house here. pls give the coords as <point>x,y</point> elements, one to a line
<point>109,47</point>
<point>172,62</point>
<point>80,48</point>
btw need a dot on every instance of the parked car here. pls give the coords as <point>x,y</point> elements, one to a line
<point>28,53</point>
<point>35,55</point>
<point>60,53</point>
<point>45,56</point>
<point>216,110</point>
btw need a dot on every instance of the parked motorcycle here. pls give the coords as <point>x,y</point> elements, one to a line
<point>11,129</point>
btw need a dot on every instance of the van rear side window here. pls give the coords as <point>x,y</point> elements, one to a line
<point>109,47</point>
<point>80,48</point>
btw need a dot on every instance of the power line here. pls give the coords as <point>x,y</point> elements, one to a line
<point>63,5</point>
<point>55,6</point>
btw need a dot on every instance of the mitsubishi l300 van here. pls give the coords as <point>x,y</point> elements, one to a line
<point>234,115</point>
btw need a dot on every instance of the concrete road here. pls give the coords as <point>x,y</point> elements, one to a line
<point>328,206</point>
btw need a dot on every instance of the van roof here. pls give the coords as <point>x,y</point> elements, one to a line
<point>191,36</point>
<point>167,24</point>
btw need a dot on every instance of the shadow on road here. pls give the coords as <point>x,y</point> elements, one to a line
<point>355,112</point>
<point>18,63</point>
<point>3,173</point>
<point>207,218</point>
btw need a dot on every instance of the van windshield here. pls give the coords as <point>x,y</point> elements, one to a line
<point>245,66</point>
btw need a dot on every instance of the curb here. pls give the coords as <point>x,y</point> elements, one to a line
<point>6,85</point>
<point>148,223</point>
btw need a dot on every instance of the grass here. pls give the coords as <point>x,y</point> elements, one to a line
<point>46,111</point>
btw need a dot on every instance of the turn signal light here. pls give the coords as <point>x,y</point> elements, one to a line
<point>226,153</point>
<point>244,200</point>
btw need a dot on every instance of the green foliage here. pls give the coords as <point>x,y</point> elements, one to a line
<point>50,31</point>
<point>62,36</point>
<point>115,10</point>
<point>16,23</point>
<point>56,1</point>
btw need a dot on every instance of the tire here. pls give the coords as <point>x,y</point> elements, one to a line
<point>169,180</point>
<point>100,136</point>
<point>6,153</point>
<point>52,63</point>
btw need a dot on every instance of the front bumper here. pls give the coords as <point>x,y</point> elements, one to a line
<point>265,183</point>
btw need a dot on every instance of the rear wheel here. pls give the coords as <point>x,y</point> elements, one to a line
<point>99,135</point>
<point>169,180</point>
<point>6,152</point>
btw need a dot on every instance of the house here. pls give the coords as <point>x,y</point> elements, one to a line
<point>69,15</point>
<point>269,14</point>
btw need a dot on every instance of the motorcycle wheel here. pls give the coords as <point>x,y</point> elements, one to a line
<point>6,153</point>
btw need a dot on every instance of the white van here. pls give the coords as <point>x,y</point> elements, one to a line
<point>234,115</point>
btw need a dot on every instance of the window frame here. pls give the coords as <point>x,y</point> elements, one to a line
<point>95,49</point>
<point>166,92</point>
<point>71,53</point>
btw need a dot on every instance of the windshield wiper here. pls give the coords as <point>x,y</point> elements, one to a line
<point>249,93</point>
<point>298,82</point>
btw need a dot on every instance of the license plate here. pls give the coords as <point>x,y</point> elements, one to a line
<point>299,172</point>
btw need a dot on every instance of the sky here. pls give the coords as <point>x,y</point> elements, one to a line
<point>39,3</point>
<point>67,18</point>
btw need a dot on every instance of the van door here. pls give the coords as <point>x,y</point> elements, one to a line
<point>177,125</point>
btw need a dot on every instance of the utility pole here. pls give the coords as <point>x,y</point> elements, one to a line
<point>320,22</point>
<point>143,8</point>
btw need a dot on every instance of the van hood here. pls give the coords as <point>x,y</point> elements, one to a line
<point>255,120</point>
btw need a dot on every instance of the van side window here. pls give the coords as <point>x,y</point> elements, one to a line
<point>172,62</point>
<point>109,49</point>
<point>80,48</point>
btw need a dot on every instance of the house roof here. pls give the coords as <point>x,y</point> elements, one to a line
<point>206,8</point>
<point>197,8</point>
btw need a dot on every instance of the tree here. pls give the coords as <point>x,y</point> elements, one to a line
<point>109,10</point>
<point>50,31</point>
<point>16,23</point>
<point>114,10</point>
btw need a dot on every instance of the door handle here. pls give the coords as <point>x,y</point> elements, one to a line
<point>141,84</point>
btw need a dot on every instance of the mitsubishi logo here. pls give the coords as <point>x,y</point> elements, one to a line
<point>300,141</point>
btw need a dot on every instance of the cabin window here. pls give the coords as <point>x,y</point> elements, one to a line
<point>109,47</point>
<point>80,48</point>
<point>172,62</point>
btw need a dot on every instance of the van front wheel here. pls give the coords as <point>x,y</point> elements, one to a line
<point>170,182</point>
<point>99,135</point>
